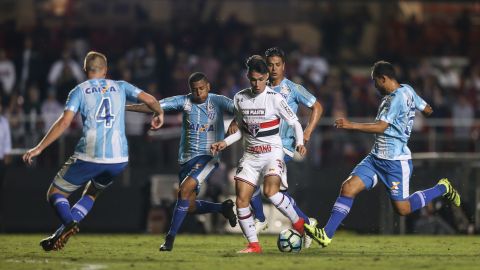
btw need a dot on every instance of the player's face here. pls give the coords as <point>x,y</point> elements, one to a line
<point>276,67</point>
<point>380,84</point>
<point>258,81</point>
<point>200,90</point>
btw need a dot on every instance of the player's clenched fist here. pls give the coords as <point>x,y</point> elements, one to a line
<point>217,147</point>
<point>342,123</point>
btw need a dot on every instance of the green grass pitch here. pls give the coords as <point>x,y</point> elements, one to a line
<point>217,252</point>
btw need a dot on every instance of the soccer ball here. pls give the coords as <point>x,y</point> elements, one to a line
<point>289,240</point>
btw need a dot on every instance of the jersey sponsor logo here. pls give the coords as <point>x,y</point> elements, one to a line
<point>287,108</point>
<point>253,112</point>
<point>103,90</point>
<point>201,127</point>
<point>259,149</point>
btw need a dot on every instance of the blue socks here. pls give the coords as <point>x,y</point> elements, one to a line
<point>203,207</point>
<point>257,205</point>
<point>340,210</point>
<point>181,209</point>
<point>62,207</point>
<point>295,207</point>
<point>82,207</point>
<point>421,198</point>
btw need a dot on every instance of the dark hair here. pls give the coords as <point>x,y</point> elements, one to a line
<point>196,77</point>
<point>383,68</point>
<point>256,63</point>
<point>275,51</point>
<point>94,61</point>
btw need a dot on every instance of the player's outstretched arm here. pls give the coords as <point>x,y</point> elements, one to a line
<point>143,108</point>
<point>153,104</point>
<point>377,127</point>
<point>221,145</point>
<point>317,111</point>
<point>56,130</point>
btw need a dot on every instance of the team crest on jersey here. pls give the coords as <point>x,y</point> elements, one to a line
<point>253,129</point>
<point>284,91</point>
<point>211,111</point>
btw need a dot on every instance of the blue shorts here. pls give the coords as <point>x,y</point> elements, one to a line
<point>75,173</point>
<point>395,175</point>
<point>199,168</point>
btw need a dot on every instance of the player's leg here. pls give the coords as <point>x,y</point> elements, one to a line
<point>271,189</point>
<point>244,190</point>
<point>364,176</point>
<point>257,208</point>
<point>203,169</point>
<point>246,179</point>
<point>187,188</point>
<point>398,183</point>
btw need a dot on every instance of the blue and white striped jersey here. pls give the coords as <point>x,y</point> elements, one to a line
<point>101,103</point>
<point>397,109</point>
<point>294,94</point>
<point>202,123</point>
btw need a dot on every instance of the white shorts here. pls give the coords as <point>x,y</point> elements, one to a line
<point>252,168</point>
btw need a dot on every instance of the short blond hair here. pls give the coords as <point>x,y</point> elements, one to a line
<point>94,61</point>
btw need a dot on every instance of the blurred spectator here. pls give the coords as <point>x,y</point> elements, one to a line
<point>312,65</point>
<point>463,118</point>
<point>5,149</point>
<point>29,66</point>
<point>51,109</point>
<point>64,74</point>
<point>7,73</point>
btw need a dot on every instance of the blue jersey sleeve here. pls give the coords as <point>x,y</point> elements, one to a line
<point>174,103</point>
<point>391,109</point>
<point>420,103</point>
<point>131,91</point>
<point>303,96</point>
<point>225,103</point>
<point>74,100</point>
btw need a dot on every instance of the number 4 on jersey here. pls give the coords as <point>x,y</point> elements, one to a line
<point>103,113</point>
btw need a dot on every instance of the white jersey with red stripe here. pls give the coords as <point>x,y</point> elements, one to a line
<point>258,116</point>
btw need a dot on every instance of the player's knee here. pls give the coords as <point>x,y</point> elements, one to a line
<point>267,192</point>
<point>402,210</point>
<point>242,202</point>
<point>347,189</point>
<point>185,192</point>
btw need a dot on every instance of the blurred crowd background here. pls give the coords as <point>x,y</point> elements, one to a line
<point>330,46</point>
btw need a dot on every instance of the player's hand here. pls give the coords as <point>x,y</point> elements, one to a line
<point>301,149</point>
<point>232,128</point>
<point>30,154</point>
<point>342,123</point>
<point>157,122</point>
<point>217,147</point>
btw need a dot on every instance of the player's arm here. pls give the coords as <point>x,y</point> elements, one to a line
<point>142,108</point>
<point>317,111</point>
<point>221,145</point>
<point>292,120</point>
<point>378,127</point>
<point>56,130</point>
<point>153,104</point>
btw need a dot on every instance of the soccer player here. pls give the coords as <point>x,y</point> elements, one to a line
<point>258,111</point>
<point>202,126</point>
<point>295,95</point>
<point>101,153</point>
<point>390,159</point>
